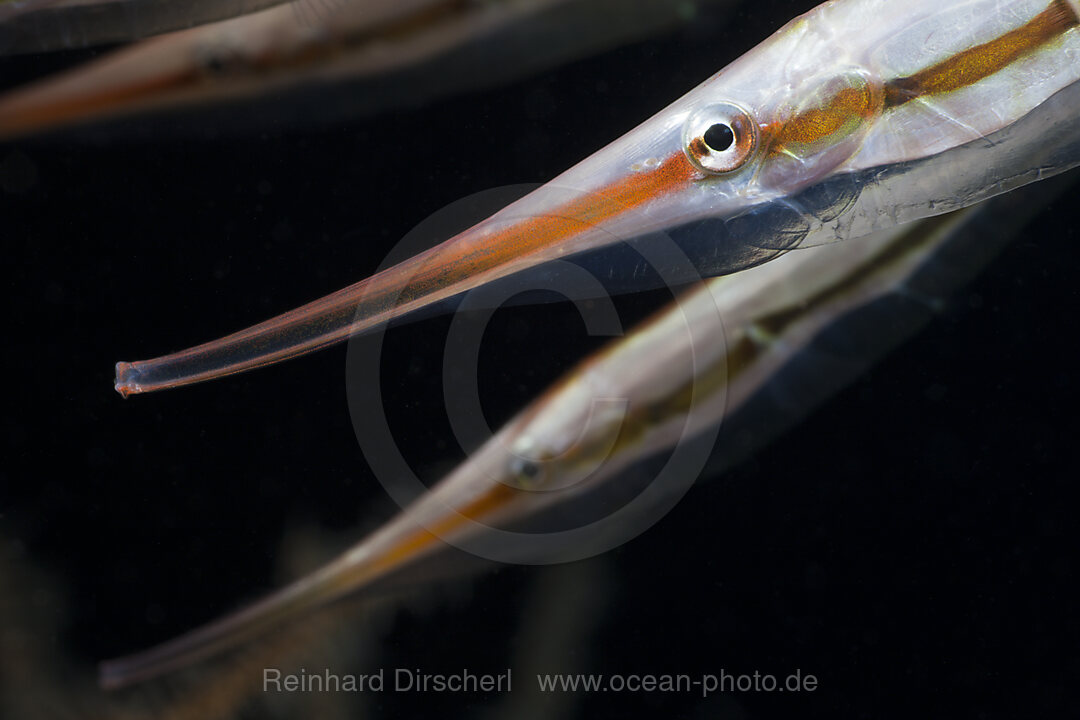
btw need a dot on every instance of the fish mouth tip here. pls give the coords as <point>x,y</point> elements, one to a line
<point>126,375</point>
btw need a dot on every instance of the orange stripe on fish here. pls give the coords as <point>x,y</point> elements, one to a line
<point>494,498</point>
<point>982,61</point>
<point>839,108</point>
<point>472,254</point>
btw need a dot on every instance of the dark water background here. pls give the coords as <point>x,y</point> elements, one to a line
<point>912,544</point>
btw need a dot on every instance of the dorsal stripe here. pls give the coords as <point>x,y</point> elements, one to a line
<point>979,62</point>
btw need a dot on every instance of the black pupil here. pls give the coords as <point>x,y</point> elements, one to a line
<point>527,469</point>
<point>719,137</point>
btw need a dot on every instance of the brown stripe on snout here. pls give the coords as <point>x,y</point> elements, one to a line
<point>982,61</point>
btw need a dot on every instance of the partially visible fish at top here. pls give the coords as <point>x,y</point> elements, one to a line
<point>30,26</point>
<point>380,53</point>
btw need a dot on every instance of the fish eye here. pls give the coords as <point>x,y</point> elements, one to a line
<point>217,59</point>
<point>525,471</point>
<point>720,138</point>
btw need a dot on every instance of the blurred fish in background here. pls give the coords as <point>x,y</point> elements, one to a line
<point>312,61</point>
